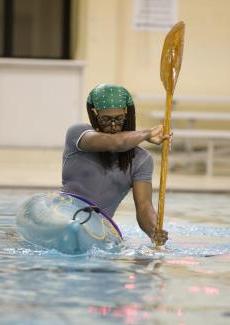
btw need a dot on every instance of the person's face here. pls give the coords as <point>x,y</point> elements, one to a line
<point>111,120</point>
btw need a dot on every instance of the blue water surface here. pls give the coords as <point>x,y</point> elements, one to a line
<point>184,283</point>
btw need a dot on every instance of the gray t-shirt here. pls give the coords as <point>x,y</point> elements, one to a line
<point>83,173</point>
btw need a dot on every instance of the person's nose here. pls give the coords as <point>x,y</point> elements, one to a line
<point>113,124</point>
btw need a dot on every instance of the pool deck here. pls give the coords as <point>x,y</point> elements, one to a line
<point>41,168</point>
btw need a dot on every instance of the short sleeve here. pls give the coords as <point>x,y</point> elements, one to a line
<point>73,136</point>
<point>142,167</point>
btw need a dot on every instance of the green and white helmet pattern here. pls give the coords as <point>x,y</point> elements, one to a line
<point>105,96</point>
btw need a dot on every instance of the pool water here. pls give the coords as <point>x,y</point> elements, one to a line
<point>186,282</point>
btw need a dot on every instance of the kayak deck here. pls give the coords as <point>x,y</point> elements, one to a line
<point>47,220</point>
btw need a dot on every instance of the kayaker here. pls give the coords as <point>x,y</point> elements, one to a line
<point>102,161</point>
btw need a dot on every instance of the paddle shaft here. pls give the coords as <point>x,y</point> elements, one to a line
<point>171,58</point>
<point>164,161</point>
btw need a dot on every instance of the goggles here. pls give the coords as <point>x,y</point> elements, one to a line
<point>106,120</point>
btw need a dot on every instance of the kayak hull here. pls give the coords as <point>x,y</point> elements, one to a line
<point>47,220</point>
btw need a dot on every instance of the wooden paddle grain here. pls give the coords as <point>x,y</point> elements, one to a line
<point>171,59</point>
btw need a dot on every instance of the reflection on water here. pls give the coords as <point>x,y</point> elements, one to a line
<point>184,283</point>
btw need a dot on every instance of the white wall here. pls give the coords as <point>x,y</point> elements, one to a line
<point>39,99</point>
<point>116,52</point>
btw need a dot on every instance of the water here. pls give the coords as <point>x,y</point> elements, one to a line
<point>185,283</point>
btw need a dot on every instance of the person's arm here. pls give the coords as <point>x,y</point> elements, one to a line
<point>121,141</point>
<point>145,212</point>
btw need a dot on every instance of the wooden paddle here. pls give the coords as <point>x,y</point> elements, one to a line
<point>171,59</point>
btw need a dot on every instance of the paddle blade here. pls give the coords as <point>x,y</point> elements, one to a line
<point>171,56</point>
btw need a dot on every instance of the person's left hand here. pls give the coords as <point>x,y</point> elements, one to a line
<point>159,236</point>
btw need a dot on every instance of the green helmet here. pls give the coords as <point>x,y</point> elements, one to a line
<point>105,96</point>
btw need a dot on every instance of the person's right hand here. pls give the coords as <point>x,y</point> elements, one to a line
<point>157,136</point>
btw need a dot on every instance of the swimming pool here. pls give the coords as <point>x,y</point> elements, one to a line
<point>185,283</point>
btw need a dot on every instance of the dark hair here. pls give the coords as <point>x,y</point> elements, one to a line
<point>124,158</point>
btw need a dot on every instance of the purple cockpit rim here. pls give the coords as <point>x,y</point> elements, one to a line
<point>94,204</point>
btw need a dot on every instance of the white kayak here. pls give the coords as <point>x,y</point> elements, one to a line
<point>67,223</point>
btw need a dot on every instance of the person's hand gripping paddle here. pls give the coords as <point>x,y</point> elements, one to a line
<point>171,59</point>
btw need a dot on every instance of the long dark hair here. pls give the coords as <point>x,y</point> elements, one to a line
<point>124,158</point>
